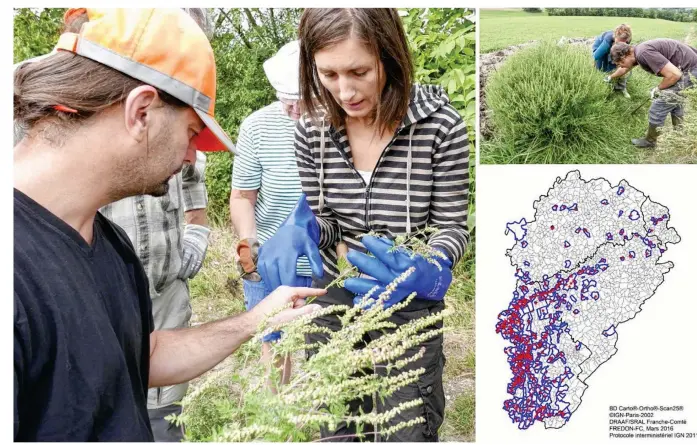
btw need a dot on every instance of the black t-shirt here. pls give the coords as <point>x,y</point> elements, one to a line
<point>82,323</point>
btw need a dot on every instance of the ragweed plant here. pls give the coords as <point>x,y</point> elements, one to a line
<point>346,270</point>
<point>340,369</point>
<point>416,244</point>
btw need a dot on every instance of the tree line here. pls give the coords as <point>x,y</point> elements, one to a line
<point>672,14</point>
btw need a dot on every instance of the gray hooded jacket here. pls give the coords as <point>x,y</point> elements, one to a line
<point>421,179</point>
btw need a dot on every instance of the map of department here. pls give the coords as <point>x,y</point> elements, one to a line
<point>584,265</point>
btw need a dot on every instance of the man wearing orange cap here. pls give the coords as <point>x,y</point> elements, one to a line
<point>136,99</point>
<point>171,252</point>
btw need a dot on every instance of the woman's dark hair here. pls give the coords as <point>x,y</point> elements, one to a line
<point>381,31</point>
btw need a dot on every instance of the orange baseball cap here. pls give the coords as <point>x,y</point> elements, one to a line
<point>164,48</point>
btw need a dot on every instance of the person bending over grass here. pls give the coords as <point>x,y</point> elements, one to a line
<point>670,59</point>
<point>601,55</point>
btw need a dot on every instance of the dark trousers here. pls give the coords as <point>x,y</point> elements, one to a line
<point>429,388</point>
<point>163,430</point>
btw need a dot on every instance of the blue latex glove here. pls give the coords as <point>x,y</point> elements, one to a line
<point>297,236</point>
<point>428,280</point>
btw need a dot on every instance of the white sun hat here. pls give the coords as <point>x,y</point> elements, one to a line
<point>283,71</point>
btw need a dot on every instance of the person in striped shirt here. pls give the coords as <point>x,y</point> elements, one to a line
<point>376,152</point>
<point>265,182</point>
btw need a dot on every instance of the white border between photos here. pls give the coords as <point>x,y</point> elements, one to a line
<point>6,223</point>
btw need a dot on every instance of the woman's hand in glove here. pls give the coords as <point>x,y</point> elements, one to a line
<point>430,279</point>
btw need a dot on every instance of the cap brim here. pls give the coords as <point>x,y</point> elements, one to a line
<point>287,96</point>
<point>213,137</point>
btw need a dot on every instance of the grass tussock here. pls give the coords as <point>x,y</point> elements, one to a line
<point>550,105</point>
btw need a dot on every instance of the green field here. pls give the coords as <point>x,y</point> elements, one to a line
<point>502,28</point>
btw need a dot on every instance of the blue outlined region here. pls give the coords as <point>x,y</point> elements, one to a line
<point>517,228</point>
<point>580,273</point>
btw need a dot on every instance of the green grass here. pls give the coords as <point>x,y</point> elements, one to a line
<point>459,343</point>
<point>692,37</point>
<point>461,417</point>
<point>509,12</point>
<point>503,28</point>
<point>216,292</point>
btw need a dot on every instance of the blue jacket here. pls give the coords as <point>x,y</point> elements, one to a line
<point>601,51</point>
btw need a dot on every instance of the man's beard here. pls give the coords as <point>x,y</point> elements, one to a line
<point>159,190</point>
<point>140,181</point>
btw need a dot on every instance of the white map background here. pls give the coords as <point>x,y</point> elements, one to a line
<point>652,365</point>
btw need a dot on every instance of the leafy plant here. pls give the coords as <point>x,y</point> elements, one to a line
<point>443,47</point>
<point>36,31</point>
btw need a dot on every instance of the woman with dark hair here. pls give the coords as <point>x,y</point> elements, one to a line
<point>377,153</point>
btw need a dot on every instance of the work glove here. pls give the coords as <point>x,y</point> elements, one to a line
<point>430,281</point>
<point>195,245</point>
<point>247,254</point>
<point>297,236</point>
<point>655,92</point>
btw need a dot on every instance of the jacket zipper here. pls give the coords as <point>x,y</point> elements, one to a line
<point>372,175</point>
<point>355,171</point>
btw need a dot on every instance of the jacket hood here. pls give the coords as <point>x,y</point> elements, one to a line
<point>424,100</point>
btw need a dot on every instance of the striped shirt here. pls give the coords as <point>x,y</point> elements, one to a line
<point>265,161</point>
<point>421,179</point>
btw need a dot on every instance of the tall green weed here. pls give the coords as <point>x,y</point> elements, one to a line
<point>550,105</point>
